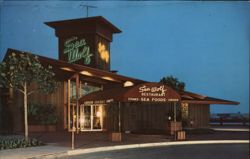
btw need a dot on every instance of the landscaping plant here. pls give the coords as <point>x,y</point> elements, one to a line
<point>12,142</point>
<point>19,71</point>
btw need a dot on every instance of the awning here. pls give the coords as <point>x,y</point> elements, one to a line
<point>145,92</point>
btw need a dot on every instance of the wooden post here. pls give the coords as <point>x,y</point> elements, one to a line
<point>69,105</point>
<point>80,86</point>
<point>175,120</point>
<point>77,104</point>
<point>73,128</point>
<point>73,121</point>
<point>65,105</point>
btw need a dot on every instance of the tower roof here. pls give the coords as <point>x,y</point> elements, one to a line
<point>81,22</point>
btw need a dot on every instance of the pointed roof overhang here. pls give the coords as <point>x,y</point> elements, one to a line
<point>194,98</point>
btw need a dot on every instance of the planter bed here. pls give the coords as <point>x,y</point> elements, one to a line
<point>16,141</point>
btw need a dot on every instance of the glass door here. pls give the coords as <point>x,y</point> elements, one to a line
<point>97,117</point>
<point>85,118</point>
<point>91,118</point>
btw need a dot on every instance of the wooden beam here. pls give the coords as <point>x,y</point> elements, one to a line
<point>65,105</point>
<point>209,102</point>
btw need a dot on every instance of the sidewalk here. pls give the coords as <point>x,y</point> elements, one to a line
<point>30,152</point>
<point>59,144</point>
<point>236,128</point>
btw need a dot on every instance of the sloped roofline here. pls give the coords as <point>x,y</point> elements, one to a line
<point>74,67</point>
<point>194,98</point>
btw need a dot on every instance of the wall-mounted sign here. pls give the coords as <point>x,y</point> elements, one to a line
<point>145,92</point>
<point>77,49</point>
<point>152,91</point>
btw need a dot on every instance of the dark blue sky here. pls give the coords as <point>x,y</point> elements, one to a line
<point>204,44</point>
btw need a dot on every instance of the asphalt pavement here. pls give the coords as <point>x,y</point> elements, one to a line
<point>59,146</point>
<point>211,151</point>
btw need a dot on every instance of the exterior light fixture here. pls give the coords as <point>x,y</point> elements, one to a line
<point>67,69</point>
<point>169,118</point>
<point>128,84</point>
<point>86,73</point>
<point>108,78</point>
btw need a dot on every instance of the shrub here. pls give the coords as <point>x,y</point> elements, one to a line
<point>12,142</point>
<point>44,114</point>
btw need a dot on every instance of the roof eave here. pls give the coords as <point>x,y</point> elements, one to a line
<point>57,24</point>
<point>210,102</point>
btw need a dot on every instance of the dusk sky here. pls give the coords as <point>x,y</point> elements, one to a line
<point>204,44</point>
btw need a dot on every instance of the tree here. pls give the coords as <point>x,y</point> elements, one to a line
<point>173,82</point>
<point>19,71</point>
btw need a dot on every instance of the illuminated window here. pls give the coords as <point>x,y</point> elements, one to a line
<point>86,89</point>
<point>83,90</point>
<point>184,110</point>
<point>91,117</point>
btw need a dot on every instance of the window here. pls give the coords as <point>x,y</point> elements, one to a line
<point>86,89</point>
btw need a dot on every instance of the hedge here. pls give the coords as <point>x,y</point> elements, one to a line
<point>12,142</point>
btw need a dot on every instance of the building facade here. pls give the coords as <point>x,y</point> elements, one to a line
<point>91,97</point>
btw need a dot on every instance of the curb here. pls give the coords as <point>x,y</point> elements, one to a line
<point>121,147</point>
<point>228,129</point>
<point>131,146</point>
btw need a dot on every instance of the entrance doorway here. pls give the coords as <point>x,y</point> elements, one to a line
<point>91,117</point>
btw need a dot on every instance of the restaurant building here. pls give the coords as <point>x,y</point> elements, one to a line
<point>91,97</point>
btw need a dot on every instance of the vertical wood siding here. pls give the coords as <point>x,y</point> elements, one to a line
<point>143,117</point>
<point>199,113</point>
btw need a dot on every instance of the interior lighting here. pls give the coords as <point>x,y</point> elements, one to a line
<point>98,114</point>
<point>82,120</point>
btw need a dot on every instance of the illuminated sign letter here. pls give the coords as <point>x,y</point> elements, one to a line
<point>76,50</point>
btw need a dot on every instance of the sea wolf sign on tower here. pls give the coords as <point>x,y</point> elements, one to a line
<point>76,50</point>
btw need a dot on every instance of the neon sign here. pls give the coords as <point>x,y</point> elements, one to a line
<point>104,54</point>
<point>77,49</point>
